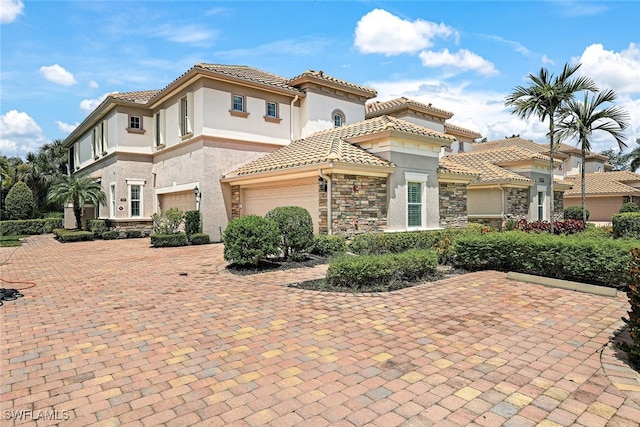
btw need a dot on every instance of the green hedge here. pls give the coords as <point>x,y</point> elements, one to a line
<point>110,235</point>
<point>590,260</point>
<point>296,229</point>
<point>250,239</point>
<point>326,245</point>
<point>367,271</point>
<point>67,236</point>
<point>199,239</point>
<point>192,223</point>
<point>133,234</point>
<point>168,240</point>
<point>626,225</point>
<point>96,226</point>
<point>575,212</point>
<point>30,226</point>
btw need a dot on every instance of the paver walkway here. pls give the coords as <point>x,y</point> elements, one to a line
<point>118,333</point>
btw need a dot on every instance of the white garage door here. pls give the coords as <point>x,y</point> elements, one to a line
<point>259,201</point>
<point>184,200</point>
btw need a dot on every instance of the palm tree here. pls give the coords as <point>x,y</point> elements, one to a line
<point>634,155</point>
<point>78,190</point>
<point>580,119</point>
<point>544,97</point>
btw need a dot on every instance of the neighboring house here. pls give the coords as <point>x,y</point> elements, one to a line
<point>605,193</point>
<point>510,183</point>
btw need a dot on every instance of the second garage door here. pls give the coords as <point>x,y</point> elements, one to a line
<point>259,201</point>
<point>184,200</point>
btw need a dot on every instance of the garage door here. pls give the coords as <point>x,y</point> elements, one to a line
<point>259,201</point>
<point>184,200</point>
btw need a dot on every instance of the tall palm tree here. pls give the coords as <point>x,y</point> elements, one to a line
<point>580,119</point>
<point>78,190</point>
<point>634,155</point>
<point>543,97</point>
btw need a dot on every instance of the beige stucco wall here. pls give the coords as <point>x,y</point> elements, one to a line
<point>484,201</point>
<point>600,208</point>
<point>316,112</point>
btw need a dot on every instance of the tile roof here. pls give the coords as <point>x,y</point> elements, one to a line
<point>528,144</point>
<point>332,145</point>
<point>378,108</point>
<point>605,183</point>
<point>456,128</point>
<point>448,166</point>
<point>321,75</point>
<point>245,72</point>
<point>140,97</point>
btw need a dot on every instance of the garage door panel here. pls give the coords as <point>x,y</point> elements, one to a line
<point>259,201</point>
<point>184,200</point>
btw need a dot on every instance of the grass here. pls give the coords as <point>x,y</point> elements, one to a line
<point>9,241</point>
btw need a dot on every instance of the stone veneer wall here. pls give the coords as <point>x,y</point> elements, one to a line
<point>453,205</point>
<point>558,206</point>
<point>235,201</point>
<point>516,203</point>
<point>355,212</point>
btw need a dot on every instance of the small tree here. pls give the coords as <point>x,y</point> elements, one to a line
<point>249,239</point>
<point>633,322</point>
<point>192,223</point>
<point>168,222</point>
<point>79,191</point>
<point>19,201</point>
<point>296,229</point>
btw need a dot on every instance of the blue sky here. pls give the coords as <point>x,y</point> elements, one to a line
<point>59,59</point>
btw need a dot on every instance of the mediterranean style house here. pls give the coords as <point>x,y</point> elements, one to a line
<point>234,140</point>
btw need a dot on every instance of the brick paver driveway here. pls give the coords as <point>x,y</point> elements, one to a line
<point>117,333</point>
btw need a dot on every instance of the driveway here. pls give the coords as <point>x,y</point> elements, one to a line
<point>118,333</point>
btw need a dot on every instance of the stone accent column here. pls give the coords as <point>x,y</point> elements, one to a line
<point>516,203</point>
<point>359,204</point>
<point>235,201</point>
<point>558,200</point>
<point>453,205</point>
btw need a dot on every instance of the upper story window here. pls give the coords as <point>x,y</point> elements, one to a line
<point>237,103</point>
<point>186,114</point>
<point>338,118</point>
<point>158,128</point>
<point>135,122</point>
<point>272,109</point>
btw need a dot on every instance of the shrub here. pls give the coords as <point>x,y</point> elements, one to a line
<point>626,225</point>
<point>575,212</point>
<point>168,240</point>
<point>200,239</point>
<point>373,271</point>
<point>249,239</point>
<point>19,201</point>
<point>326,245</point>
<point>633,322</point>
<point>29,226</point>
<point>192,223</point>
<point>296,229</point>
<point>133,234</point>
<point>52,215</point>
<point>67,236</point>
<point>110,235</point>
<point>589,260</point>
<point>167,223</point>
<point>629,207</point>
<point>96,226</point>
<point>594,231</point>
<point>569,226</point>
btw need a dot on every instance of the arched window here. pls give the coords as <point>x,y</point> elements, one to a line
<point>338,118</point>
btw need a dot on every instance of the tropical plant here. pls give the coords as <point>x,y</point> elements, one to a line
<point>634,157</point>
<point>544,98</point>
<point>79,191</point>
<point>19,202</point>
<point>629,207</point>
<point>580,120</point>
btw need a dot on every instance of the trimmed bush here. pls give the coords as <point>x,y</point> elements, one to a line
<point>569,226</point>
<point>633,322</point>
<point>373,271</point>
<point>29,226</point>
<point>629,207</point>
<point>589,260</point>
<point>68,236</point>
<point>192,223</point>
<point>296,229</point>
<point>19,202</point>
<point>110,235</point>
<point>96,226</point>
<point>133,234</point>
<point>326,245</point>
<point>168,240</point>
<point>200,239</point>
<point>249,239</point>
<point>626,225</point>
<point>575,212</point>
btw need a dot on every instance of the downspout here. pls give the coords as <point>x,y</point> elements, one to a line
<point>295,99</point>
<point>327,178</point>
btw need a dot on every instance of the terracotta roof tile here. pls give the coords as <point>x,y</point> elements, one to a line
<point>378,108</point>
<point>248,73</point>
<point>321,75</point>
<point>140,97</point>
<point>609,183</point>
<point>449,166</point>
<point>528,144</point>
<point>456,128</point>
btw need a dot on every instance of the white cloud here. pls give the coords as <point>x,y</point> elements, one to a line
<point>66,127</point>
<point>94,84</point>
<point>58,75</point>
<point>91,104</point>
<point>463,60</point>
<point>546,60</point>
<point>619,71</point>
<point>19,134</point>
<point>189,34</point>
<point>10,10</point>
<point>381,32</point>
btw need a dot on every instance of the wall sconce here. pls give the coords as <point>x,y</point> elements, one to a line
<point>355,188</point>
<point>322,184</point>
<point>198,194</point>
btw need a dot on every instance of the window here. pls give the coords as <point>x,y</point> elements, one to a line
<point>94,143</point>
<point>414,204</point>
<point>158,125</point>
<point>186,114</point>
<point>237,103</point>
<point>461,147</point>
<point>105,135</point>
<point>338,118</point>
<point>135,200</point>
<point>540,205</point>
<point>135,122</point>
<point>112,200</point>
<point>272,109</point>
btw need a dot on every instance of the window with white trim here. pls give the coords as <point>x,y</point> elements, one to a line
<point>135,122</point>
<point>540,205</point>
<point>136,192</point>
<point>416,200</point>
<point>237,103</point>
<point>94,143</point>
<point>186,114</point>
<point>105,135</point>
<point>272,109</point>
<point>158,128</point>
<point>338,118</point>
